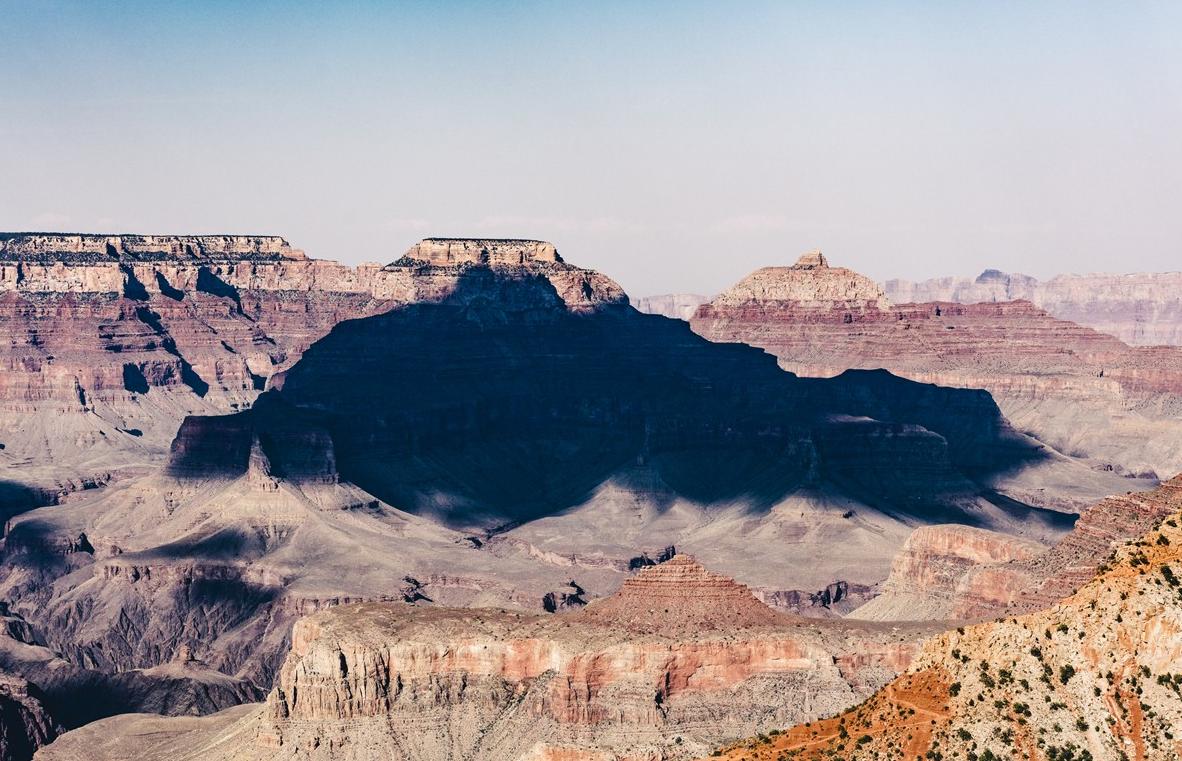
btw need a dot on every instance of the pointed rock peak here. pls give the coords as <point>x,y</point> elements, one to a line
<point>812,260</point>
<point>682,595</point>
<point>258,468</point>
<point>500,251</point>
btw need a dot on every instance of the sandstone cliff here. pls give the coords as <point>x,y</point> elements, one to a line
<point>1141,309</point>
<point>1083,393</point>
<point>387,681</point>
<point>1012,576</point>
<point>1093,676</point>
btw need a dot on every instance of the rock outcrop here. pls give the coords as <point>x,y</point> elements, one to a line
<point>1096,675</point>
<point>108,342</point>
<point>417,683</point>
<point>25,725</point>
<point>929,577</point>
<point>937,577</point>
<point>1141,309</point>
<point>1083,393</point>
<point>809,284</point>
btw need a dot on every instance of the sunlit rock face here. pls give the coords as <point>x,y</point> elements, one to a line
<point>675,661</point>
<point>1092,675</point>
<point>1083,393</point>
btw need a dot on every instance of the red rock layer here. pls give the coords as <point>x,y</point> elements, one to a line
<point>1092,676</point>
<point>1143,309</point>
<point>107,342</point>
<point>1078,390</point>
<point>680,594</point>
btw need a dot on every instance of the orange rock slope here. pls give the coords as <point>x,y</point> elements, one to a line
<point>1096,676</point>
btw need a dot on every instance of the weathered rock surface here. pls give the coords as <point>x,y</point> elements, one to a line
<point>679,306</point>
<point>1083,393</point>
<point>1094,676</point>
<point>935,577</point>
<point>108,342</point>
<point>929,577</point>
<point>394,682</point>
<point>562,436</point>
<point>1143,309</point>
<point>25,725</point>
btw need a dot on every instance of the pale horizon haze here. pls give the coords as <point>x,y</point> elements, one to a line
<point>673,146</point>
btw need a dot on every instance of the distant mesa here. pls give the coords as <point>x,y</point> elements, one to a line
<point>810,283</point>
<point>496,251</point>
<point>88,247</point>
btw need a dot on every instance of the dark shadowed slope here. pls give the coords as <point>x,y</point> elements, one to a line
<point>498,405</point>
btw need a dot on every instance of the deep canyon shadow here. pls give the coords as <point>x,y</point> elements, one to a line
<point>498,405</point>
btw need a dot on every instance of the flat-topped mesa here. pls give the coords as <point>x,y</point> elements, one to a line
<point>432,271</point>
<point>809,284</point>
<point>680,594</point>
<point>73,248</point>
<point>494,251</point>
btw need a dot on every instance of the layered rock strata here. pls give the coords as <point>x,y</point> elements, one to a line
<point>377,680</point>
<point>935,577</point>
<point>1096,675</point>
<point>25,725</point>
<point>1081,392</point>
<point>555,441</point>
<point>1142,309</point>
<point>107,342</point>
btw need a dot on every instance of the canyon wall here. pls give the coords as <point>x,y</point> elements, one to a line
<point>1094,675</point>
<point>108,342</point>
<point>604,682</point>
<point>679,306</point>
<point>1140,309</point>
<point>1081,392</point>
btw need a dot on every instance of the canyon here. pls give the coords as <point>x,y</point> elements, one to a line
<point>1082,393</point>
<point>256,473</point>
<point>676,660</point>
<point>961,573</point>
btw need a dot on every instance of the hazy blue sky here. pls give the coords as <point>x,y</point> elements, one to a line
<point>673,146</point>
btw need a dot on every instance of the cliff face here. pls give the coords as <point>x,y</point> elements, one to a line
<point>1140,309</point>
<point>1093,676</point>
<point>928,576</point>
<point>107,342</point>
<point>25,725</point>
<point>399,683</point>
<point>1013,577</point>
<point>1081,392</point>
